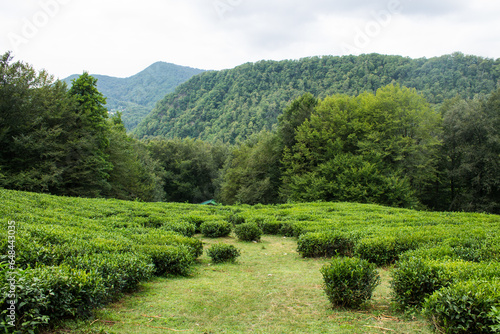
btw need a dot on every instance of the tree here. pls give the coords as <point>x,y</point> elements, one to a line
<point>34,115</point>
<point>472,142</point>
<point>88,162</point>
<point>252,173</point>
<point>135,174</point>
<point>191,167</point>
<point>375,148</point>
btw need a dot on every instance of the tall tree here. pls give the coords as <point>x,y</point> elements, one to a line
<point>374,148</point>
<point>472,142</point>
<point>252,173</point>
<point>88,161</point>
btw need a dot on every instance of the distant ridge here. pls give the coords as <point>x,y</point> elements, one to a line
<point>136,95</point>
<point>231,105</point>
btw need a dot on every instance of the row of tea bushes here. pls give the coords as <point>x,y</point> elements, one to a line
<point>72,255</point>
<point>457,296</point>
<point>384,245</point>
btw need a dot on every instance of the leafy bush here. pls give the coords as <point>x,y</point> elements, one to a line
<point>223,253</point>
<point>236,219</point>
<point>47,293</point>
<point>196,221</point>
<point>383,250</point>
<point>181,227</point>
<point>272,227</point>
<point>248,232</point>
<point>288,229</point>
<point>119,272</point>
<point>176,260</point>
<point>349,282</point>
<point>324,244</point>
<point>414,279</point>
<point>215,229</point>
<point>465,307</point>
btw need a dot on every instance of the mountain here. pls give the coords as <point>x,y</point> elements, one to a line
<point>230,105</point>
<point>135,96</point>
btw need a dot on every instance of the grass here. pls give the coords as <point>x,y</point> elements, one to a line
<point>270,289</point>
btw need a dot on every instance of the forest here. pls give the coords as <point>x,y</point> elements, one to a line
<point>381,140</point>
<point>231,105</point>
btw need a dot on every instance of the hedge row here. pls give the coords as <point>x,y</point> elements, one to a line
<point>382,249</point>
<point>72,255</point>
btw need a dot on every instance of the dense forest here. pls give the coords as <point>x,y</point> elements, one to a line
<point>392,145</point>
<point>233,104</point>
<point>136,96</point>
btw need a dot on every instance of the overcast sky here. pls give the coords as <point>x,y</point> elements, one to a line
<point>121,38</point>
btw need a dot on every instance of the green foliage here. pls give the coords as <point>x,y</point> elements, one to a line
<point>235,219</point>
<point>318,244</point>
<point>119,272</point>
<point>135,96</point>
<point>223,253</point>
<point>251,174</point>
<point>471,148</point>
<point>184,228</point>
<point>191,168</point>
<point>61,141</point>
<point>465,307</point>
<point>367,149</point>
<point>271,226</point>
<point>415,279</point>
<point>349,282</point>
<point>215,229</point>
<point>248,232</point>
<point>231,105</point>
<point>175,260</point>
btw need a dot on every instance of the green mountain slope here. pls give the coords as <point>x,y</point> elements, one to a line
<point>232,104</point>
<point>135,96</point>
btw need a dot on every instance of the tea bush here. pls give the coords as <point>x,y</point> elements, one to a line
<point>349,282</point>
<point>215,229</point>
<point>248,232</point>
<point>324,244</point>
<point>414,279</point>
<point>184,228</point>
<point>176,260</point>
<point>272,227</point>
<point>223,253</point>
<point>465,307</point>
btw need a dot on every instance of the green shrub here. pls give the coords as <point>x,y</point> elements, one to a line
<point>120,272</point>
<point>223,253</point>
<point>349,282</point>
<point>465,307</point>
<point>248,232</point>
<point>414,279</point>
<point>175,260</point>
<point>49,293</point>
<point>288,229</point>
<point>320,244</point>
<point>215,229</point>
<point>184,228</point>
<point>235,219</point>
<point>272,227</point>
<point>196,221</point>
<point>383,250</point>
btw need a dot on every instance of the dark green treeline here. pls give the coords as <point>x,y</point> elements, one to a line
<point>387,146</point>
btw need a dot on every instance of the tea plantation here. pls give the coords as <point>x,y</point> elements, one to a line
<point>64,257</point>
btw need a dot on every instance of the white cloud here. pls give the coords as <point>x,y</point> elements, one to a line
<point>122,38</point>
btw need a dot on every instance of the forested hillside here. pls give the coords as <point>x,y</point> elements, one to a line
<point>136,96</point>
<point>232,104</point>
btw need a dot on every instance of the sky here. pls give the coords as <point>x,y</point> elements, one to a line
<point>121,38</point>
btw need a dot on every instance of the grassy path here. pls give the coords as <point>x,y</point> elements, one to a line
<point>271,289</point>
